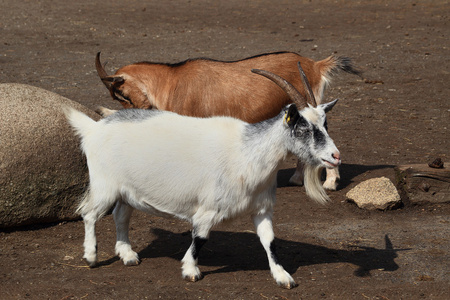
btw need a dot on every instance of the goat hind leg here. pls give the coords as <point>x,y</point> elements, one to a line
<point>122,214</point>
<point>90,240</point>
<point>91,213</point>
<point>92,208</point>
<point>264,229</point>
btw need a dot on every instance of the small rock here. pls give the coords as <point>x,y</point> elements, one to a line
<point>437,163</point>
<point>424,278</point>
<point>376,193</point>
<point>424,187</point>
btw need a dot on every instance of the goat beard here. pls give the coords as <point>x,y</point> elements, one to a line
<point>313,184</point>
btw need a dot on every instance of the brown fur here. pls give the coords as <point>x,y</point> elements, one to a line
<point>204,87</point>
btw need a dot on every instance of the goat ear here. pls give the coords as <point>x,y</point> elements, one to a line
<point>113,80</point>
<point>328,106</point>
<point>291,116</point>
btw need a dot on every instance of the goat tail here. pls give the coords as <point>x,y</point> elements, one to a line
<point>81,123</point>
<point>333,64</point>
<point>313,185</point>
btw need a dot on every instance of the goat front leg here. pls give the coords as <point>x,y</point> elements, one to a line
<point>190,271</point>
<point>122,214</point>
<point>203,223</point>
<point>264,229</point>
<point>333,178</point>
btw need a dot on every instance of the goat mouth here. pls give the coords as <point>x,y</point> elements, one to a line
<point>330,164</point>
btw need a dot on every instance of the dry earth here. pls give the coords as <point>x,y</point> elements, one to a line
<point>399,115</point>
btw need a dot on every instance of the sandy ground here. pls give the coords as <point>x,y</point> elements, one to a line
<point>333,252</point>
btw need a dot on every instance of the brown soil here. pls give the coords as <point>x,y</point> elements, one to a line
<point>399,115</point>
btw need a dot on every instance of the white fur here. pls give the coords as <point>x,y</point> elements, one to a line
<point>200,170</point>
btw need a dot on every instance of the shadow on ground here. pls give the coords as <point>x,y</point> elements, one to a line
<point>218,252</point>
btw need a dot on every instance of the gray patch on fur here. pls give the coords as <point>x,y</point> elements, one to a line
<point>132,115</point>
<point>253,131</point>
<point>319,137</point>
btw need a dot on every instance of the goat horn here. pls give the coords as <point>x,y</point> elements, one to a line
<point>307,86</point>
<point>292,92</point>
<point>101,71</point>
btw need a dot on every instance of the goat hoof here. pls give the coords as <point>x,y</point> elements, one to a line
<point>131,262</point>
<point>289,285</point>
<point>91,264</point>
<point>193,278</point>
<point>330,185</point>
<point>296,181</point>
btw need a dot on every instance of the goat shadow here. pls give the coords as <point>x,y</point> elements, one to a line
<point>231,252</point>
<point>347,172</point>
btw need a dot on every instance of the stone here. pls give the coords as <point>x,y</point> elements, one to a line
<point>424,183</point>
<point>377,193</point>
<point>43,173</point>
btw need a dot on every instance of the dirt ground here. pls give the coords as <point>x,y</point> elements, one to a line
<point>333,252</point>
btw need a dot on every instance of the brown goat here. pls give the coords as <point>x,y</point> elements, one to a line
<point>205,87</point>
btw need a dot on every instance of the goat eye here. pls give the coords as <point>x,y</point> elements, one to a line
<point>302,132</point>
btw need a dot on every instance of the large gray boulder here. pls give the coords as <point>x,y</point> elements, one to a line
<point>43,173</point>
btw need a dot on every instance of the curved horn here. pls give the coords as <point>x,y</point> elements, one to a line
<point>307,86</point>
<point>292,92</point>
<point>101,71</point>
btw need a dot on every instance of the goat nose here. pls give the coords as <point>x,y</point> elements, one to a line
<point>336,155</point>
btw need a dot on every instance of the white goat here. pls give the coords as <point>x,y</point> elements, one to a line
<point>200,170</point>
